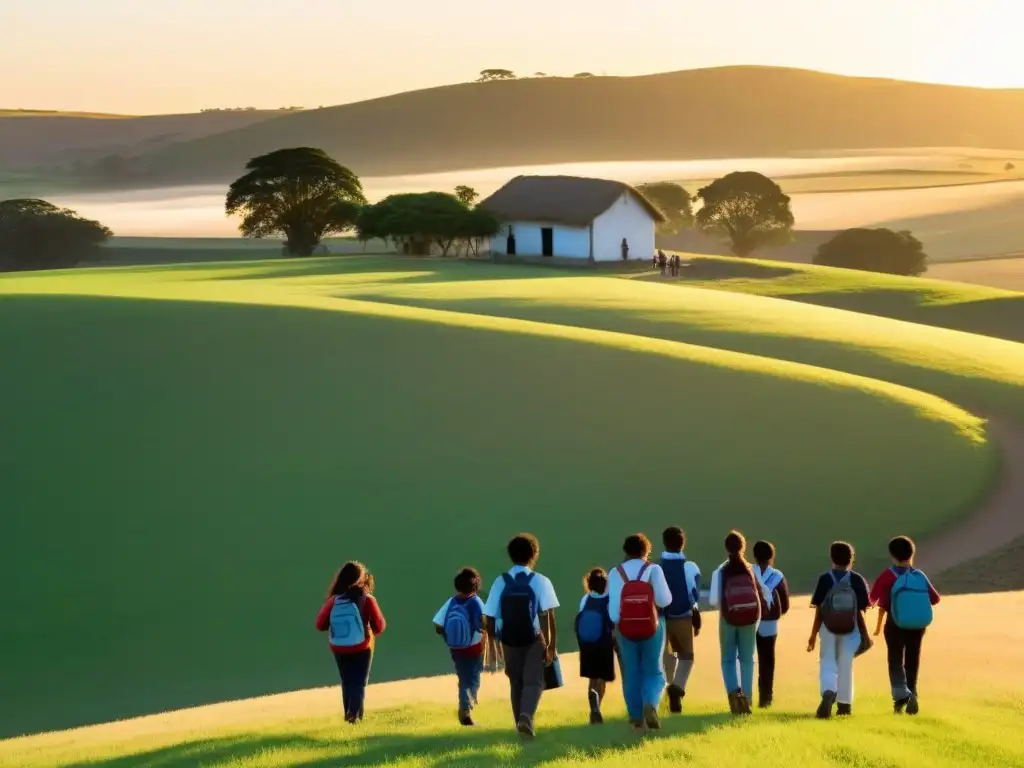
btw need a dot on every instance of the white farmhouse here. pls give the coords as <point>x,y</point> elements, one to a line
<point>569,217</point>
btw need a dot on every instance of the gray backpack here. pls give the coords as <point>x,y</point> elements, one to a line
<point>839,608</point>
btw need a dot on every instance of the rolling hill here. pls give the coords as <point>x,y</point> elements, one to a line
<point>718,112</point>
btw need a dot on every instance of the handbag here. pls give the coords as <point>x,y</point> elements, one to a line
<point>553,675</point>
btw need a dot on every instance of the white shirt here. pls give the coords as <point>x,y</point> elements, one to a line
<point>541,586</point>
<point>767,628</point>
<point>653,575</point>
<point>589,595</point>
<point>440,616</point>
<point>715,590</point>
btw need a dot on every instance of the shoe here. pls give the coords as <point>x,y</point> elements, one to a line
<point>465,718</point>
<point>743,704</point>
<point>651,719</point>
<point>351,719</point>
<point>525,728</point>
<point>844,710</point>
<point>675,699</point>
<point>828,698</point>
<point>734,702</point>
<point>764,701</point>
<point>596,718</point>
<point>912,706</point>
<point>899,705</point>
<point>638,727</point>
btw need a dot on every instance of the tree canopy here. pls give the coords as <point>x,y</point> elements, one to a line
<point>489,75</point>
<point>466,195</point>
<point>874,250</point>
<point>35,234</point>
<point>673,201</point>
<point>416,220</point>
<point>301,193</point>
<point>748,208</point>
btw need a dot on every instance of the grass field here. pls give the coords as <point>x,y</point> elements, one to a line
<point>226,434</point>
<point>970,712</point>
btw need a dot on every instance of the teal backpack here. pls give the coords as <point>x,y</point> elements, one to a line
<point>910,602</point>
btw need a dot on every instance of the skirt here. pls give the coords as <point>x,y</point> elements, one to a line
<point>597,662</point>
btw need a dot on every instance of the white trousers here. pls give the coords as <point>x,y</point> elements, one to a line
<point>836,663</point>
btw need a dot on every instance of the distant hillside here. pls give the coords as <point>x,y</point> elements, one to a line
<point>32,139</point>
<point>723,112</point>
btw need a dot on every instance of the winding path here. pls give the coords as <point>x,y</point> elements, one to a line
<point>998,519</point>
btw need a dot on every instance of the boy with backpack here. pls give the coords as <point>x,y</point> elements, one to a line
<point>520,613</point>
<point>775,605</point>
<point>460,622</point>
<point>636,591</point>
<point>682,616</point>
<point>596,639</point>
<point>905,597</point>
<point>840,599</point>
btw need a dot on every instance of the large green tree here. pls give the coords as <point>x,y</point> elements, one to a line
<point>35,234</point>
<point>748,209</point>
<point>301,193</point>
<point>415,221</point>
<point>874,250</point>
<point>673,201</point>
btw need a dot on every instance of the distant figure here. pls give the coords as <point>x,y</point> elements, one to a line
<point>654,261</point>
<point>662,262</point>
<point>625,250</point>
<point>352,619</point>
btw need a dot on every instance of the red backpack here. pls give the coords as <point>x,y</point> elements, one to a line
<point>741,600</point>
<point>638,614</point>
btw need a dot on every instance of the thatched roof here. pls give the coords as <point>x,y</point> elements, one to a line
<point>570,200</point>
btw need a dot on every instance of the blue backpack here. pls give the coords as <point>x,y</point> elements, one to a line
<point>910,600</point>
<point>593,624</point>
<point>675,575</point>
<point>347,628</point>
<point>462,621</point>
<point>518,611</point>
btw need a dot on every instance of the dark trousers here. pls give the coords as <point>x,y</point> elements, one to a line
<point>766,665</point>
<point>354,670</point>
<point>525,670</point>
<point>904,650</point>
<point>468,670</point>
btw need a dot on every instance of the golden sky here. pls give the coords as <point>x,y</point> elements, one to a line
<point>146,56</point>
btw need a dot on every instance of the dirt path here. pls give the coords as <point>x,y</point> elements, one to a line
<point>997,521</point>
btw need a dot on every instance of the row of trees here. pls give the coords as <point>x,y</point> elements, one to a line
<point>35,234</point>
<point>305,195</point>
<point>492,75</point>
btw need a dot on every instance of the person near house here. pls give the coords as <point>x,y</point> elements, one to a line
<point>674,264</point>
<point>520,613</point>
<point>683,578</point>
<point>595,635</point>
<point>736,592</point>
<point>775,605</point>
<point>637,591</point>
<point>905,598</point>
<point>460,622</point>
<point>662,262</point>
<point>353,620</point>
<point>625,249</point>
<point>840,599</point>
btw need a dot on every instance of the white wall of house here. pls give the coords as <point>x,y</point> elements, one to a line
<point>568,242</point>
<point>626,218</point>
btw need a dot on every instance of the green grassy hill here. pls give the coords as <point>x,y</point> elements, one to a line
<point>971,712</point>
<point>717,112</point>
<point>192,450</point>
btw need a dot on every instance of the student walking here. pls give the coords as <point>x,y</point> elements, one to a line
<point>905,597</point>
<point>736,592</point>
<point>636,591</point>
<point>682,616</point>
<point>460,622</point>
<point>351,617</point>
<point>662,262</point>
<point>595,635</point>
<point>520,612</point>
<point>775,591</point>
<point>840,599</point>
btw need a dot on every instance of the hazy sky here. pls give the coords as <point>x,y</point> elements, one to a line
<point>146,56</point>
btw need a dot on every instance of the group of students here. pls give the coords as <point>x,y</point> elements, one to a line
<point>646,615</point>
<point>667,264</point>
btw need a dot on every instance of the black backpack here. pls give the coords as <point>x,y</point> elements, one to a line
<point>518,611</point>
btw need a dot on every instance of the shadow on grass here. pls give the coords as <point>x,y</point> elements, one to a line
<point>477,748</point>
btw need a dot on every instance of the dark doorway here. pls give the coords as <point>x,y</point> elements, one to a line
<point>547,241</point>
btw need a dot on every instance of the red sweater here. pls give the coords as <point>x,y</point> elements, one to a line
<point>881,590</point>
<point>373,620</point>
